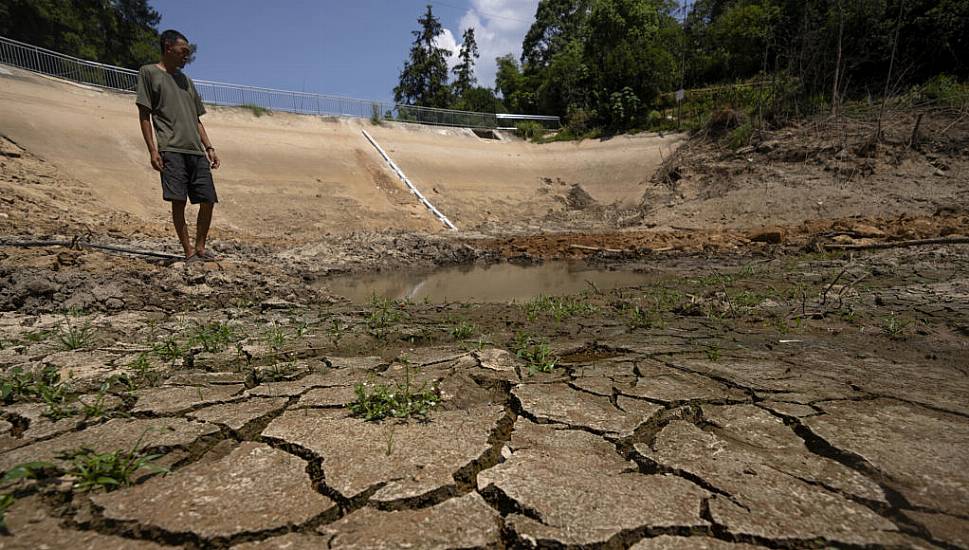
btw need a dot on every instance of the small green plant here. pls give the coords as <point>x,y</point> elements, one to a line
<point>256,110</point>
<point>213,337</point>
<point>712,353</point>
<point>337,330</point>
<point>384,313</point>
<point>275,337</point>
<point>529,129</point>
<point>36,336</point>
<point>376,402</point>
<point>168,349</point>
<point>895,327</point>
<point>375,116</point>
<point>536,354</point>
<point>557,307</point>
<point>142,372</point>
<point>42,385</point>
<point>462,330</point>
<point>641,317</point>
<point>73,336</point>
<point>108,471</point>
<point>96,408</point>
<point>28,470</point>
<point>6,501</point>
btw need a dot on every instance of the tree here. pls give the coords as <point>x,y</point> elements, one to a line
<point>513,86</point>
<point>464,79</point>
<point>116,32</point>
<point>557,22</point>
<point>424,78</point>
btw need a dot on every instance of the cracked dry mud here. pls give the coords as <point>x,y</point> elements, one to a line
<point>710,432</point>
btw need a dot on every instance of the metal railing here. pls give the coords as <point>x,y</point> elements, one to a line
<point>41,60</point>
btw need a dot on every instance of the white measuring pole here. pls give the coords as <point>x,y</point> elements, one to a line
<point>437,213</point>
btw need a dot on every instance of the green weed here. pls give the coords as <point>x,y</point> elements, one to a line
<point>213,337</point>
<point>108,471</point>
<point>384,313</point>
<point>36,336</point>
<point>536,354</point>
<point>557,307</point>
<point>712,353</point>
<point>895,327</point>
<point>72,336</point>
<point>376,402</point>
<point>462,330</point>
<point>275,337</point>
<point>256,110</point>
<point>143,373</point>
<point>41,385</point>
<point>169,349</point>
<point>28,470</point>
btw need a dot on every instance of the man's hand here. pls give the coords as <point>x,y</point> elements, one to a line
<point>213,159</point>
<point>156,161</point>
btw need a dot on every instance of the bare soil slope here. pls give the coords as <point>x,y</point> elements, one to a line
<point>297,178</point>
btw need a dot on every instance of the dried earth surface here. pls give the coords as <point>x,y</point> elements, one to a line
<point>761,388</point>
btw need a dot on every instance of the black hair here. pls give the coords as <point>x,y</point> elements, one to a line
<point>169,37</point>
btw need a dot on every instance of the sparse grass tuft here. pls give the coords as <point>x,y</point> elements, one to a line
<point>557,307</point>
<point>376,402</point>
<point>462,330</point>
<point>384,313</point>
<point>108,471</point>
<point>72,336</point>
<point>536,354</point>
<point>213,337</point>
<point>169,349</point>
<point>142,372</point>
<point>895,327</point>
<point>41,385</point>
<point>256,110</point>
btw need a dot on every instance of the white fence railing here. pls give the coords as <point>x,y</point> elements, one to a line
<point>41,60</point>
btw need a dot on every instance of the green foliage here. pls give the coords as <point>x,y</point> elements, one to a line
<point>108,471</point>
<point>72,336</point>
<point>740,136</point>
<point>464,79</point>
<point>117,32</point>
<point>169,349</point>
<point>462,330</point>
<point>529,129</point>
<point>28,470</point>
<point>558,307</point>
<point>424,78</point>
<point>384,313</point>
<point>536,353</point>
<point>375,117</point>
<point>895,327</point>
<point>42,385</point>
<point>6,501</point>
<point>376,402</point>
<point>256,110</point>
<point>213,337</point>
<point>617,62</point>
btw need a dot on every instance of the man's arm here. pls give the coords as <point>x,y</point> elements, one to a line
<point>209,149</point>
<point>144,117</point>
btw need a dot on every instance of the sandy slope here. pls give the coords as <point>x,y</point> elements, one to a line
<point>299,177</point>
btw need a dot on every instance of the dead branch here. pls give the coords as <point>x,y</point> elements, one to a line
<point>897,244</point>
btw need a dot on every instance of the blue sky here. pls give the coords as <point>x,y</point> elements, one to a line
<point>352,47</point>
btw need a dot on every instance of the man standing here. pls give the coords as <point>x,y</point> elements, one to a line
<point>179,147</point>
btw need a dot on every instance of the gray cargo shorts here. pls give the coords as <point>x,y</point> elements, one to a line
<point>186,176</point>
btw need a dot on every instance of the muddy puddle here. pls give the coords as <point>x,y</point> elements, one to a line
<point>483,283</point>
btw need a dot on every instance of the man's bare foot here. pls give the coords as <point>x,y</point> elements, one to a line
<point>207,255</point>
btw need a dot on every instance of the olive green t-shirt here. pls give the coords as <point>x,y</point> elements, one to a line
<point>175,109</point>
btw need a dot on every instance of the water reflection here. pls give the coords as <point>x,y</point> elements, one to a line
<point>482,283</point>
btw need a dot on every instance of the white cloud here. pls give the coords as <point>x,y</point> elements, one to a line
<point>499,28</point>
<point>446,41</point>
